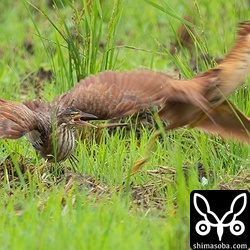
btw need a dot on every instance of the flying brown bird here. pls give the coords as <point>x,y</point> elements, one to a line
<point>223,117</point>
<point>219,82</point>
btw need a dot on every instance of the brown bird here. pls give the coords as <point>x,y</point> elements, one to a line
<point>223,117</point>
<point>110,94</point>
<point>37,121</point>
<point>198,102</point>
<point>219,83</point>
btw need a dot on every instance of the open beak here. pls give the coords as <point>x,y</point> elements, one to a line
<point>80,118</point>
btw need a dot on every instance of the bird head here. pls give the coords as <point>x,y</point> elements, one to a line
<point>74,117</point>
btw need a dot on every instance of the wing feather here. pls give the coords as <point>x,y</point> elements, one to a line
<point>15,119</point>
<point>228,121</point>
<point>114,94</point>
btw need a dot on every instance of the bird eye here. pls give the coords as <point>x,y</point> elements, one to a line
<point>72,114</point>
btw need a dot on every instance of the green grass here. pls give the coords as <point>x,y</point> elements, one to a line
<point>149,210</point>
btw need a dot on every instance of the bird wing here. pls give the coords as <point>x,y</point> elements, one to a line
<point>218,83</point>
<point>38,106</point>
<point>232,71</point>
<point>114,94</point>
<point>228,121</point>
<point>15,119</point>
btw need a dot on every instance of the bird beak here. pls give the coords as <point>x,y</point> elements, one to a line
<point>80,118</point>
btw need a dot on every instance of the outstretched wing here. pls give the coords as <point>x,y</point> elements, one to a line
<point>219,82</point>
<point>15,119</point>
<point>228,121</point>
<point>114,94</point>
<point>232,71</point>
<point>38,106</point>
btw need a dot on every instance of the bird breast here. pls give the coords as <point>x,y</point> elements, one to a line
<point>65,142</point>
<point>54,146</point>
